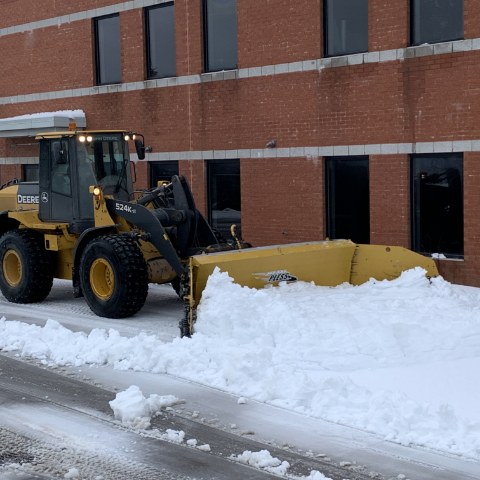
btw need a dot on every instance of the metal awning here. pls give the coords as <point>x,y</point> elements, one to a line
<point>31,125</point>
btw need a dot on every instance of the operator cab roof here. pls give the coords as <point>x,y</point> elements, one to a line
<point>72,133</point>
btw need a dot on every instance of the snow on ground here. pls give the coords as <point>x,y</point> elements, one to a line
<point>399,359</point>
<point>263,460</point>
<point>133,409</point>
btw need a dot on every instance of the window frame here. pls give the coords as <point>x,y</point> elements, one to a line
<point>61,175</point>
<point>327,29</point>
<point>148,59</point>
<point>206,44</point>
<point>30,170</point>
<point>413,42</point>
<point>219,168</point>
<point>416,229</point>
<point>333,224</point>
<point>98,69</point>
<point>172,165</point>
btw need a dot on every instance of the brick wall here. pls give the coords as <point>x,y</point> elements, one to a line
<point>14,12</point>
<point>194,172</point>
<point>388,24</point>
<point>10,172</point>
<point>425,99</point>
<point>389,199</point>
<point>141,173</point>
<point>468,271</point>
<point>399,101</point>
<point>132,51</point>
<point>47,59</point>
<point>289,31</point>
<point>282,200</point>
<point>393,102</point>
<point>471,18</point>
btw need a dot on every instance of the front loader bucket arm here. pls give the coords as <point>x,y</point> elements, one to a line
<point>144,219</point>
<point>195,232</point>
<point>184,201</point>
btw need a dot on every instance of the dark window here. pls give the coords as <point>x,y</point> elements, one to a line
<point>160,28</point>
<point>224,203</point>
<point>346,26</point>
<point>220,34</point>
<point>30,173</point>
<point>436,21</point>
<point>61,181</point>
<point>162,172</point>
<point>348,202</point>
<point>437,204</point>
<point>107,50</point>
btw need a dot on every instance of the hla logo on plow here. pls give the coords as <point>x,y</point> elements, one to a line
<point>276,276</point>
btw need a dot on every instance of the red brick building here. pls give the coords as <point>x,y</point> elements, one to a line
<point>301,119</point>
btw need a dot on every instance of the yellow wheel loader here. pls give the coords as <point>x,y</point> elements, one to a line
<point>83,221</point>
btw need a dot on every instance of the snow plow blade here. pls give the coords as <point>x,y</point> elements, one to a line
<point>384,262</point>
<point>325,263</point>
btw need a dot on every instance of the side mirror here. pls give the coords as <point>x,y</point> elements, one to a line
<point>140,148</point>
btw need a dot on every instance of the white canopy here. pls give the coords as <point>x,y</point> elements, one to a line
<point>30,125</point>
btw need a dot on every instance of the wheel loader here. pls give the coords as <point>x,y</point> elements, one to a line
<point>83,221</point>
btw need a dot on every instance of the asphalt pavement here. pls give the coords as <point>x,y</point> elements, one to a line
<point>51,425</point>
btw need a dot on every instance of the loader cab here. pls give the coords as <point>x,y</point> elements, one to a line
<point>70,163</point>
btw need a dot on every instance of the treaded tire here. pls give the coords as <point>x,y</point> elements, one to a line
<point>113,276</point>
<point>26,273</point>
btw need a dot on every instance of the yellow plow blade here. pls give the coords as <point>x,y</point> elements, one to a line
<point>386,263</point>
<point>327,263</point>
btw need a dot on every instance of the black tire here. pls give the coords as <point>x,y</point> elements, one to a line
<point>113,276</point>
<point>26,268</point>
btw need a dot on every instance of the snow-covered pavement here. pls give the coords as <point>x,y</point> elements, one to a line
<point>398,359</point>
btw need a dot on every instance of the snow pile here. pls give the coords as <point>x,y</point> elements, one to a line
<point>399,359</point>
<point>175,436</point>
<point>316,475</point>
<point>133,409</point>
<point>262,460</point>
<point>72,473</point>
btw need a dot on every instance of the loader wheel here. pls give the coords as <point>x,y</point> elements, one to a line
<point>26,273</point>
<point>113,276</point>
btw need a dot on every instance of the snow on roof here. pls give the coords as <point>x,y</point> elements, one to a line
<point>31,124</point>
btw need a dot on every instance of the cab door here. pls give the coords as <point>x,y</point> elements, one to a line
<point>55,180</point>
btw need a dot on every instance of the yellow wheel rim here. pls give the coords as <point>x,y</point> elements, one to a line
<point>12,268</point>
<point>102,279</point>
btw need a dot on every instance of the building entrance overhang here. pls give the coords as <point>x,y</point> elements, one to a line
<point>35,123</point>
